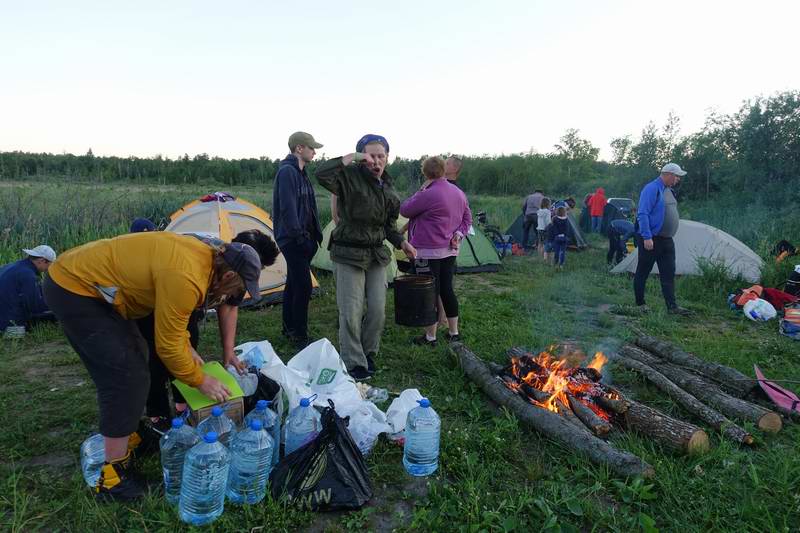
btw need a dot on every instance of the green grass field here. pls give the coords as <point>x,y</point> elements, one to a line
<point>494,475</point>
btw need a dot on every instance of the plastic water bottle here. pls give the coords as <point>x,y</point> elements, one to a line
<point>93,455</point>
<point>174,445</point>
<point>220,424</point>
<point>205,476</point>
<point>421,449</point>
<point>302,425</point>
<point>251,463</point>
<point>270,422</point>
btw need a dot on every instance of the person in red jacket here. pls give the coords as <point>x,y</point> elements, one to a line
<point>597,203</point>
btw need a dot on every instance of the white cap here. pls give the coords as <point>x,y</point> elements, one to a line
<point>673,168</point>
<point>43,251</point>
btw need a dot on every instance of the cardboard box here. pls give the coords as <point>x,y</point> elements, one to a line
<point>233,408</point>
<point>202,405</point>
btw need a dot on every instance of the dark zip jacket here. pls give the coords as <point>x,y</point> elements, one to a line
<point>20,293</point>
<point>294,205</point>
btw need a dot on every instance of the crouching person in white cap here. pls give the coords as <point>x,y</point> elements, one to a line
<point>98,290</point>
<point>21,301</point>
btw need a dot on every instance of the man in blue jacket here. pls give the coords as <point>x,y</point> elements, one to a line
<point>297,232</point>
<point>658,223</point>
<point>21,301</point>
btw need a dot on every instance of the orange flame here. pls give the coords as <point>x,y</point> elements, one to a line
<point>598,361</point>
<point>557,378</point>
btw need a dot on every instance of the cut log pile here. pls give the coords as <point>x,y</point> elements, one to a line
<point>582,411</point>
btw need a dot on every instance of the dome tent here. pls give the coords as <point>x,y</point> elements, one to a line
<point>222,216</point>
<point>516,231</point>
<point>696,242</point>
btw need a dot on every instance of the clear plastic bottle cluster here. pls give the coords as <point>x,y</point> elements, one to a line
<point>204,467</point>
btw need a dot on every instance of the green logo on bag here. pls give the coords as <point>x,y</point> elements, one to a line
<point>326,376</point>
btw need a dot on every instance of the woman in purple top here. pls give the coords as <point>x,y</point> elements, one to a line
<point>439,217</point>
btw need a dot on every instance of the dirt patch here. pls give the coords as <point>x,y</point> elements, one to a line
<point>52,460</point>
<point>391,508</point>
<point>481,283</point>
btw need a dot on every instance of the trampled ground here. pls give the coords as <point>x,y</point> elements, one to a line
<point>495,474</point>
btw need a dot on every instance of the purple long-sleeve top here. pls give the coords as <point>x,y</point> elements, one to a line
<point>436,214</point>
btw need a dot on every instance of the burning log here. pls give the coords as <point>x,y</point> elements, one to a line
<point>550,424</point>
<point>676,434</point>
<point>733,381</point>
<point>619,406</point>
<point>704,391</point>
<point>688,402</point>
<point>590,419</point>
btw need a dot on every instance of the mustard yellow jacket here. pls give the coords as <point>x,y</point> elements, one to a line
<point>143,273</point>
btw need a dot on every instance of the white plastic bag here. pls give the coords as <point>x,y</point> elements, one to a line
<point>257,354</point>
<point>317,369</point>
<point>367,422</point>
<point>325,374</point>
<point>398,411</point>
<point>759,309</point>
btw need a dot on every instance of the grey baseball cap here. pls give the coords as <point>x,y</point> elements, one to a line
<point>301,137</point>
<point>243,259</point>
<point>673,168</point>
<point>43,251</point>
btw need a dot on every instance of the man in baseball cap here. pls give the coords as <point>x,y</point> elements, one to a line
<point>657,220</point>
<point>21,301</point>
<point>297,232</point>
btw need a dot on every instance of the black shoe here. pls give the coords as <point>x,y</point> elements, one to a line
<point>299,342</point>
<point>452,338</point>
<point>144,441</point>
<point>117,482</point>
<point>677,310</point>
<point>371,368</point>
<point>359,373</point>
<point>422,340</point>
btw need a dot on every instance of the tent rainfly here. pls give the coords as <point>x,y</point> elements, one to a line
<point>696,242</point>
<point>516,229</point>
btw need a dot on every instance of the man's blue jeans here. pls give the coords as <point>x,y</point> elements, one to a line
<point>597,224</point>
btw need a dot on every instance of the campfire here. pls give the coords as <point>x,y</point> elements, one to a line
<point>544,373</point>
<point>558,395</point>
<point>553,384</point>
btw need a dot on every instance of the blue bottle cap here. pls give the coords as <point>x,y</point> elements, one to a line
<point>304,402</point>
<point>261,405</point>
<point>424,402</point>
<point>256,425</point>
<point>177,422</point>
<point>210,437</point>
<point>216,411</point>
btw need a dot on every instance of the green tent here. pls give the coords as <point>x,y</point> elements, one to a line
<point>477,254</point>
<point>322,259</point>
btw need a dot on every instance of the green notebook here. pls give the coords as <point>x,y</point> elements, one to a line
<point>198,400</point>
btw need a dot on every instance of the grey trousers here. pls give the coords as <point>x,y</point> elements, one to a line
<point>361,299</point>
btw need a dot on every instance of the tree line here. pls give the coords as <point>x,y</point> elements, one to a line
<point>756,148</point>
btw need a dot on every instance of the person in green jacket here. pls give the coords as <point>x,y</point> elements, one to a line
<point>368,207</point>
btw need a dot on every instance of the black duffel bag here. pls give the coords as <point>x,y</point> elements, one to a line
<point>327,474</point>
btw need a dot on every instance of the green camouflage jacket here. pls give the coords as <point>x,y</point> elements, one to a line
<point>368,211</point>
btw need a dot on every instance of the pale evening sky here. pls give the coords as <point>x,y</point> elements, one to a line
<point>234,79</point>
